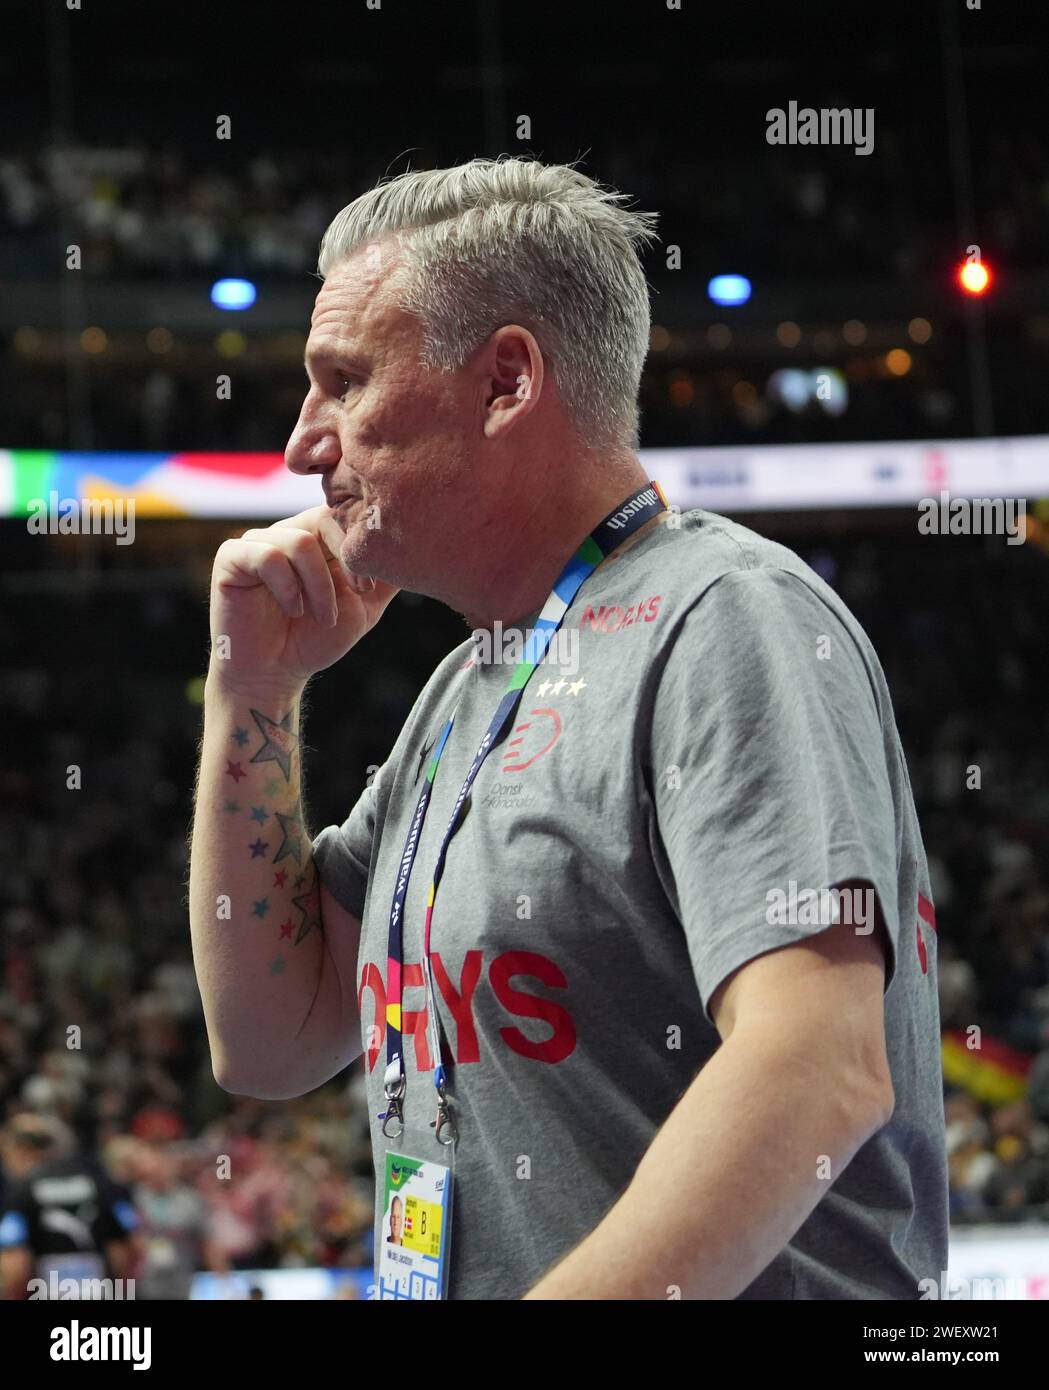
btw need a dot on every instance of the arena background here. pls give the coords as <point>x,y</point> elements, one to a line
<point>108,388</point>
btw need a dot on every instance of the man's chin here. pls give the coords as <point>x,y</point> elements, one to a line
<point>355,565</point>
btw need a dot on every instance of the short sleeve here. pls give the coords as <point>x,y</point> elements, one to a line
<point>342,853</point>
<point>769,773</point>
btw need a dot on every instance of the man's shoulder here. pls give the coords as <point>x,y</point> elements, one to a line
<point>701,552</point>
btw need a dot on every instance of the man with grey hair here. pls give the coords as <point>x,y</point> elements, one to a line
<point>545,923</point>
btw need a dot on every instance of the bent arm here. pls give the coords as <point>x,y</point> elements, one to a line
<point>799,1084</point>
<point>275,954</point>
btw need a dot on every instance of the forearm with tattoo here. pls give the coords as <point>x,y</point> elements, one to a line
<point>267,801</point>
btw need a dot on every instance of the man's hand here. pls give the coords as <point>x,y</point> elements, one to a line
<point>287,606</point>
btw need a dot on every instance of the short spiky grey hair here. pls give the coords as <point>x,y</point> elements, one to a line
<point>510,240</point>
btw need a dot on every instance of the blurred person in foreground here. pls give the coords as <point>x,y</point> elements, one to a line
<point>63,1219</point>
<point>174,1227</point>
<point>556,922</point>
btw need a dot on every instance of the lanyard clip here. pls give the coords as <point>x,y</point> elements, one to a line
<point>394,1111</point>
<point>445,1120</point>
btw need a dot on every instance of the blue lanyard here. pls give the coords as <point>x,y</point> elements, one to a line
<point>623,521</point>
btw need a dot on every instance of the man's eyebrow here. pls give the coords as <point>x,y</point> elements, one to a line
<point>327,357</point>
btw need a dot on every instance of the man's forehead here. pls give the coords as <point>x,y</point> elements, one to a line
<point>345,295</point>
<point>354,304</point>
<point>359,278</point>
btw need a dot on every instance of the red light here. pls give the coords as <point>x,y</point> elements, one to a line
<point>974,277</point>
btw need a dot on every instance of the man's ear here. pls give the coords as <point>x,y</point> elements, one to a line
<point>513,377</point>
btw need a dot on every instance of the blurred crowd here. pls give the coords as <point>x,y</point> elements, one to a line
<point>147,214</point>
<point>100,1019</point>
<point>154,212</point>
<point>100,1022</point>
<point>158,211</point>
<point>959,632</point>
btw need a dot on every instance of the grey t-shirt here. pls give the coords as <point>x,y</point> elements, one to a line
<point>630,843</point>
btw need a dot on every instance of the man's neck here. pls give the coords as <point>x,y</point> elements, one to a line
<point>527,563</point>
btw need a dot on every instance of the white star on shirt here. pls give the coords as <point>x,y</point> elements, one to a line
<point>577,686</point>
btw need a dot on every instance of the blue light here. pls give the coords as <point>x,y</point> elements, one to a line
<point>233,294</point>
<point>729,289</point>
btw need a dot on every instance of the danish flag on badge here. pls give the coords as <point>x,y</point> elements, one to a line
<point>407,1225</point>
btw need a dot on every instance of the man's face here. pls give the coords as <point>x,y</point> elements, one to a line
<point>393,442</point>
<point>395,1220</point>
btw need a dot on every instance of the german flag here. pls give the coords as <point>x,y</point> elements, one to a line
<point>992,1072</point>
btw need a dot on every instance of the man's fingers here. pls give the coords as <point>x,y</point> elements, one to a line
<point>317,521</point>
<point>265,564</point>
<point>310,544</point>
<point>304,553</point>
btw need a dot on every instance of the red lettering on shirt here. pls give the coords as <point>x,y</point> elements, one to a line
<point>461,1003</point>
<point>460,1000</point>
<point>594,619</point>
<point>614,619</point>
<point>562,1040</point>
<point>371,978</point>
<point>927,913</point>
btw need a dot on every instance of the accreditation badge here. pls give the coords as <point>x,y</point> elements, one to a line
<point>416,1229</point>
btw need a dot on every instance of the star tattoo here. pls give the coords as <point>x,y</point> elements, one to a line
<point>309,904</point>
<point>260,908</point>
<point>279,742</point>
<point>279,878</point>
<point>286,929</point>
<point>272,787</point>
<point>234,770</point>
<point>260,814</point>
<point>292,842</point>
<point>232,807</point>
<point>258,849</point>
<point>277,965</point>
<point>240,737</point>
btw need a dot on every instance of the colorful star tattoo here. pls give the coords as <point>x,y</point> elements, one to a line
<point>232,807</point>
<point>277,965</point>
<point>272,787</point>
<point>292,842</point>
<point>309,904</point>
<point>260,908</point>
<point>300,879</point>
<point>286,929</point>
<point>234,770</point>
<point>260,814</point>
<point>279,878</point>
<point>279,743</point>
<point>240,737</point>
<point>258,849</point>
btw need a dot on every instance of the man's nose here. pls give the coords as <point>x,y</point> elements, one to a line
<point>314,446</point>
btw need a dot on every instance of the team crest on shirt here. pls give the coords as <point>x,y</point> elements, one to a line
<point>532,737</point>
